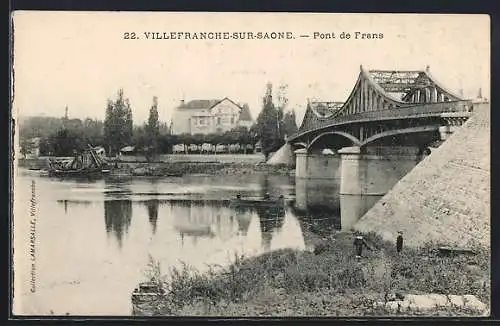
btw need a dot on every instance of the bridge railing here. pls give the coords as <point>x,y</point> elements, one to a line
<point>417,110</point>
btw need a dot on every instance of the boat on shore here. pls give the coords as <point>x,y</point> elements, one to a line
<point>85,164</point>
<point>145,297</point>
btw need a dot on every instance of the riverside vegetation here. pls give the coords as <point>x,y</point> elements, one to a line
<point>209,168</point>
<point>326,282</point>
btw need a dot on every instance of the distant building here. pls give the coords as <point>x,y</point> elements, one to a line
<point>32,148</point>
<point>209,116</point>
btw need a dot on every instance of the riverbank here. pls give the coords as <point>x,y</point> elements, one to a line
<point>174,166</point>
<point>327,282</point>
<point>207,168</point>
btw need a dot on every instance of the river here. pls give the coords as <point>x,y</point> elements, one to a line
<point>80,247</point>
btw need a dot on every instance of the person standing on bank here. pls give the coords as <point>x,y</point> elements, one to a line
<point>399,242</point>
<point>359,242</point>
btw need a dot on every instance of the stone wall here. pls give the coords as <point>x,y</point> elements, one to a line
<point>446,197</point>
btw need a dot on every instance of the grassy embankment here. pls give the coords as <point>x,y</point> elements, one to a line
<point>327,283</point>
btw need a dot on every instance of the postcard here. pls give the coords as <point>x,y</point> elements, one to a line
<point>250,164</point>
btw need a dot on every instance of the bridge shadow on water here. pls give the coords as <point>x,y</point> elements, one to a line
<point>322,209</point>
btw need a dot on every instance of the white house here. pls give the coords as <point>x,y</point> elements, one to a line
<point>209,116</point>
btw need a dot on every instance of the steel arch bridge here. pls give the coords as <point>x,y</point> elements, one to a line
<point>384,104</point>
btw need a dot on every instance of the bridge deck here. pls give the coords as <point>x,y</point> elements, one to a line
<point>421,110</point>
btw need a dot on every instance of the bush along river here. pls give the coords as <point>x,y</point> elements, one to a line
<point>205,253</point>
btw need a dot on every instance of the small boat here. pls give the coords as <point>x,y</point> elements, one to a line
<point>449,251</point>
<point>257,201</point>
<point>174,174</point>
<point>144,298</point>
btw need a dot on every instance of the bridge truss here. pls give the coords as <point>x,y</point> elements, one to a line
<point>385,100</point>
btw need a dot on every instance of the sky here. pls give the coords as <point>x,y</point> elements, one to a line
<point>81,59</point>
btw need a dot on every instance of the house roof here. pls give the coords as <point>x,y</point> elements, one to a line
<point>245,114</point>
<point>198,104</point>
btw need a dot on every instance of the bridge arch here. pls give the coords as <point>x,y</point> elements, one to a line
<point>390,133</point>
<point>300,144</point>
<point>354,140</point>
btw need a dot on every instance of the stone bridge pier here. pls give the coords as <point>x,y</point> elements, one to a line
<point>317,165</point>
<point>361,170</point>
<point>364,174</point>
<point>373,171</point>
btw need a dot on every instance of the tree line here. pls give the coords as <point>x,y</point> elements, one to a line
<point>64,136</point>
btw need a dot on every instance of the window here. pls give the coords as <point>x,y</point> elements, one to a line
<point>218,120</point>
<point>232,120</point>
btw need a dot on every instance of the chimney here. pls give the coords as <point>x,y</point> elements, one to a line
<point>427,68</point>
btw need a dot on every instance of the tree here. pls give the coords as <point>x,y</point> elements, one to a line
<point>290,124</point>
<point>26,147</point>
<point>152,131</point>
<point>38,126</point>
<point>164,129</point>
<point>268,124</point>
<point>118,124</point>
<point>92,131</point>
<point>166,142</point>
<point>129,123</point>
<point>65,142</point>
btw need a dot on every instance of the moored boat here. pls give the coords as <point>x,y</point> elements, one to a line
<point>85,164</point>
<point>257,201</point>
<point>145,297</point>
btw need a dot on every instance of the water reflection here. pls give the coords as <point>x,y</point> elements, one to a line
<point>203,219</point>
<point>271,220</point>
<point>66,203</point>
<point>243,219</point>
<point>152,207</point>
<point>188,219</point>
<point>288,235</point>
<point>117,218</point>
